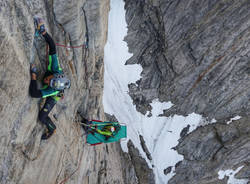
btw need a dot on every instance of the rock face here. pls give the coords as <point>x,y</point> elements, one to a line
<point>64,158</point>
<point>196,55</point>
<point>143,173</point>
<point>213,148</point>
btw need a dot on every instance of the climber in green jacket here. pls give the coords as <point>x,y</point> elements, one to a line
<point>108,131</point>
<point>54,82</point>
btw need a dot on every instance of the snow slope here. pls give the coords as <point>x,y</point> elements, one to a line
<point>157,131</point>
<point>160,133</point>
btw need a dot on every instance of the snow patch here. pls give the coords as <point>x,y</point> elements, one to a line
<point>168,136</point>
<point>213,120</point>
<point>231,173</point>
<point>117,75</point>
<point>232,119</point>
<point>161,134</point>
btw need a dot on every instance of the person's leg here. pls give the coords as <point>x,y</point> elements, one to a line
<point>51,43</point>
<point>34,91</point>
<point>44,118</point>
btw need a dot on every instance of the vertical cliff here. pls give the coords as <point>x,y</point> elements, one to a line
<point>193,54</point>
<point>196,55</point>
<point>64,158</point>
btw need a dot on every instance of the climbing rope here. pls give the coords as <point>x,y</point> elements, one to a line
<point>61,45</point>
<point>64,46</point>
<point>66,179</point>
<point>79,46</point>
<point>79,163</point>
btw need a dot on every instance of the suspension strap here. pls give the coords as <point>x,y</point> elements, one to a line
<point>79,46</point>
<point>101,124</point>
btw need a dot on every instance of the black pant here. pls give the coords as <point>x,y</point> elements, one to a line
<point>51,43</point>
<point>43,114</point>
<point>48,106</point>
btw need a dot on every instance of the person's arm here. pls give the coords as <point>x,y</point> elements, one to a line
<point>38,93</point>
<point>34,92</point>
<point>43,93</point>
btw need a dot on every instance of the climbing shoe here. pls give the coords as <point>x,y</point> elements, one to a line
<point>39,25</point>
<point>47,134</point>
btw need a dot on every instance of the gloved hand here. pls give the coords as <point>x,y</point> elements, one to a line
<point>33,69</point>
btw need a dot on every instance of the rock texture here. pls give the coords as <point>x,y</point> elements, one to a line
<point>213,148</point>
<point>143,173</point>
<point>64,158</point>
<point>196,55</point>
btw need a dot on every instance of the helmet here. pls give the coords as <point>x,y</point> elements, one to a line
<point>112,129</point>
<point>59,82</point>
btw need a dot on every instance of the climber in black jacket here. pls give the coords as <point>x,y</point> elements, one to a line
<point>54,82</point>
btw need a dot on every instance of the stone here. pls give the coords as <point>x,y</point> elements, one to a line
<point>184,131</point>
<point>167,170</point>
<point>144,147</point>
<point>201,165</point>
<point>185,50</point>
<point>64,157</point>
<point>195,55</point>
<point>143,172</point>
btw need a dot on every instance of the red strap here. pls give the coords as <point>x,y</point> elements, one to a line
<point>95,144</point>
<point>96,120</point>
<point>60,45</point>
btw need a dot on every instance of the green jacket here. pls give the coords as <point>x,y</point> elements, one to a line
<point>105,131</point>
<point>53,68</point>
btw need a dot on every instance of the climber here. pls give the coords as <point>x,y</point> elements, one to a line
<point>107,130</point>
<point>54,82</point>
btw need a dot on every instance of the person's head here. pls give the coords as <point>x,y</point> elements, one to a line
<point>112,128</point>
<point>48,79</point>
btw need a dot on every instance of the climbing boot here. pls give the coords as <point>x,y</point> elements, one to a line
<point>47,134</point>
<point>50,130</point>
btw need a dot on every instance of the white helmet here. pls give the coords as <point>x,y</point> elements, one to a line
<point>60,82</point>
<point>112,129</point>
